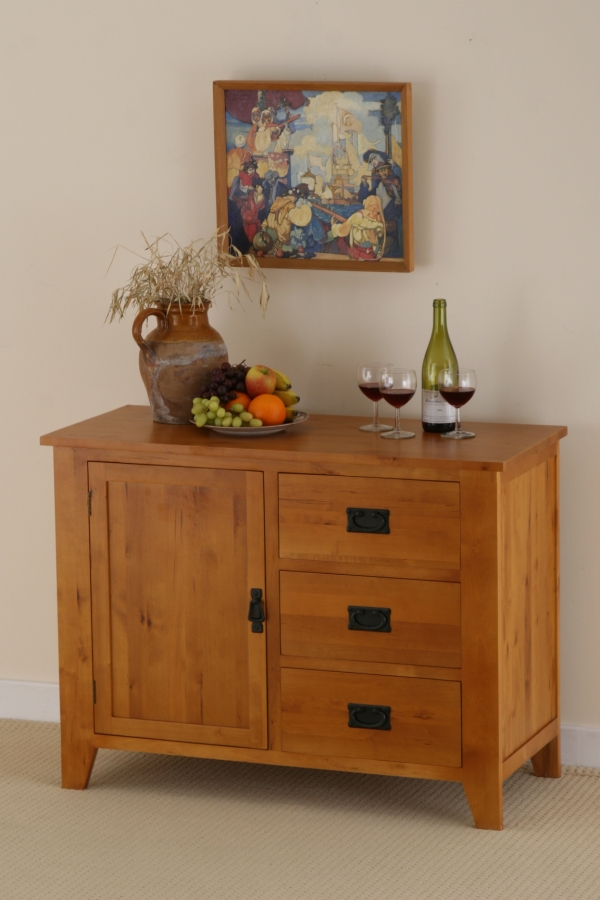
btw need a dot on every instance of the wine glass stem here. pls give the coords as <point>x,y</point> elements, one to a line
<point>457,426</point>
<point>398,419</point>
<point>376,413</point>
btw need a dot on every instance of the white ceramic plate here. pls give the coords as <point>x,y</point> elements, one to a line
<point>263,430</point>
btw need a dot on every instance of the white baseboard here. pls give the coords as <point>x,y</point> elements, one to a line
<point>38,702</point>
<point>580,746</point>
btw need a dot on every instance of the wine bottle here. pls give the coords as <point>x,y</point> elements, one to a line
<point>438,416</point>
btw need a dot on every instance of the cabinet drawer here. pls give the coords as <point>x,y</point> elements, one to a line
<point>424,520</point>
<point>424,722</point>
<point>422,625</point>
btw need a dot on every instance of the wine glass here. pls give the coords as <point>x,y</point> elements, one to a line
<point>397,386</point>
<point>457,386</point>
<point>368,382</point>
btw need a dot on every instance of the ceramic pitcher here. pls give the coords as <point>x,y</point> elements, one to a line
<point>176,359</point>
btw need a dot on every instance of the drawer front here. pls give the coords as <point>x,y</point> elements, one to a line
<point>390,620</point>
<point>419,718</point>
<point>423,524</point>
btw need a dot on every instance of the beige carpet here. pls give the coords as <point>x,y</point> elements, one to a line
<point>163,828</point>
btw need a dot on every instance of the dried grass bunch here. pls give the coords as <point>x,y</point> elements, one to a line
<point>189,276</point>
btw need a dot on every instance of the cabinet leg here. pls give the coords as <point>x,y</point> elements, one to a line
<point>546,763</point>
<point>484,793</point>
<point>77,759</point>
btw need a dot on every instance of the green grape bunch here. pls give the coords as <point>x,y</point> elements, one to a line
<point>208,411</point>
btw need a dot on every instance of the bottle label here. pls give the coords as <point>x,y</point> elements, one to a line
<point>435,409</point>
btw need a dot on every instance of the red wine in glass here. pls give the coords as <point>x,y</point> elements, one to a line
<point>368,382</point>
<point>398,397</point>
<point>457,386</point>
<point>371,391</point>
<point>457,396</point>
<point>397,386</point>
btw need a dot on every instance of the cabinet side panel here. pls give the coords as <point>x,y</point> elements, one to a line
<point>529,629</point>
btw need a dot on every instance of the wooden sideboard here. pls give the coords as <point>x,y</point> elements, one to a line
<point>409,592</point>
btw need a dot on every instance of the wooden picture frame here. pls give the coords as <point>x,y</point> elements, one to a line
<point>316,175</point>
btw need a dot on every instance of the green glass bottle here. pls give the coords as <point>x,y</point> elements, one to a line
<point>438,416</point>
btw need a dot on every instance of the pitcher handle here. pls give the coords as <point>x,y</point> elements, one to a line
<point>136,329</point>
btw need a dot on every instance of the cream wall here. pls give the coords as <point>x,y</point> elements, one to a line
<point>106,123</point>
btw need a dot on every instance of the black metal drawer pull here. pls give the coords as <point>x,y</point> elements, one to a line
<point>369,618</point>
<point>368,521</point>
<point>363,715</point>
<point>256,612</point>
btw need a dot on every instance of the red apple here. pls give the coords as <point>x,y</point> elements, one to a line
<point>260,380</point>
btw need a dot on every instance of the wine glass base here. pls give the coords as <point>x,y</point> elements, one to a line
<point>458,435</point>
<point>398,435</point>
<point>375,427</point>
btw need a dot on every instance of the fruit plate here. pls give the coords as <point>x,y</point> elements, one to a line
<point>246,431</point>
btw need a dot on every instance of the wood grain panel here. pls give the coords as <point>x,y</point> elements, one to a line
<point>480,597</point>
<point>175,554</point>
<point>171,642</point>
<point>547,761</point>
<point>529,611</point>
<point>333,440</point>
<point>380,471</point>
<point>278,758</point>
<point>370,668</point>
<point>397,570</point>
<point>253,551</point>
<point>78,751</point>
<point>424,520</point>
<point>159,457</point>
<point>272,612</point>
<point>537,748</point>
<point>425,619</point>
<point>425,717</point>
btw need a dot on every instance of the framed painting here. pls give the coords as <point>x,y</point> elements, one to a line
<point>316,175</point>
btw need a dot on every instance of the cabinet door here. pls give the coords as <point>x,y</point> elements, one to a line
<point>175,552</point>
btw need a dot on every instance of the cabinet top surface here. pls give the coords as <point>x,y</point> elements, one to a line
<point>334,438</point>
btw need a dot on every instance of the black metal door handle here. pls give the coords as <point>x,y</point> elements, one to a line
<point>364,715</point>
<point>369,618</point>
<point>256,612</point>
<point>368,521</point>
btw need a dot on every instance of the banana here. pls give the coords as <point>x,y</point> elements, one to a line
<point>283,382</point>
<point>289,397</point>
<point>290,412</point>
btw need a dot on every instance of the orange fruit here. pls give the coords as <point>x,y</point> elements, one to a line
<point>268,408</point>
<point>244,399</point>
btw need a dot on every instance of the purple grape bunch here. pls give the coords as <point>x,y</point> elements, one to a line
<point>226,381</point>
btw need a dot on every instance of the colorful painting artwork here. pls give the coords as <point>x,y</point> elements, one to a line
<point>316,176</point>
